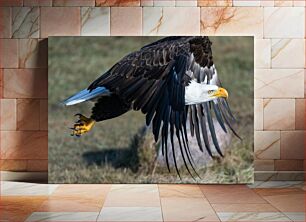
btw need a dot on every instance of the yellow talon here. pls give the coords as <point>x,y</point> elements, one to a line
<point>82,126</point>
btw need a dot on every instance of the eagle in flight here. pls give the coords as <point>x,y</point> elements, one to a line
<point>170,80</point>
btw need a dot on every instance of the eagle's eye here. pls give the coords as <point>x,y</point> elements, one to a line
<point>210,91</point>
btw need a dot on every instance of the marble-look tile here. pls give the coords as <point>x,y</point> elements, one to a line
<point>13,165</point>
<point>305,80</point>
<point>276,18</point>
<point>5,22</point>
<point>295,216</point>
<point>263,207</point>
<point>273,83</point>
<point>63,216</point>
<point>1,83</point>
<point>182,190</point>
<point>279,114</point>
<point>300,114</point>
<point>289,165</point>
<point>186,3</point>
<point>299,3</point>
<point>18,208</point>
<point>208,3</point>
<point>37,2</point>
<point>276,184</point>
<point>37,165</point>
<point>266,3</point>
<point>73,2</point>
<point>126,21</point>
<point>95,21</point>
<point>135,195</point>
<point>26,189</point>
<point>246,3</point>
<point>130,214</point>
<point>8,114</point>
<point>8,53</point>
<point>146,3</point>
<point>160,21</point>
<point>232,21</point>
<point>43,114</point>
<point>263,165</point>
<point>279,3</point>
<point>27,114</point>
<point>292,144</point>
<point>25,22</point>
<point>282,49</point>
<point>23,144</point>
<point>253,216</point>
<point>25,83</point>
<point>163,3</point>
<point>258,114</point>
<point>124,3</point>
<point>5,3</point>
<point>230,194</point>
<point>279,176</point>
<point>33,53</point>
<point>187,209</point>
<point>262,53</point>
<point>267,144</point>
<point>52,16</point>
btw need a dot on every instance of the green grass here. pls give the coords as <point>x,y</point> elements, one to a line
<point>75,62</point>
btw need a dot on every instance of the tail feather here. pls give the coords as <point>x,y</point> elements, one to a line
<point>85,95</point>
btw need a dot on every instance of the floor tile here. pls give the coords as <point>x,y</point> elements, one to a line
<point>63,216</point>
<point>187,209</point>
<point>180,190</point>
<point>295,216</point>
<point>130,214</point>
<point>230,194</point>
<point>262,207</point>
<point>9,188</point>
<point>251,216</point>
<point>133,195</point>
<point>18,208</point>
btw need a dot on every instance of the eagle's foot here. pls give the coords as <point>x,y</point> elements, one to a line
<point>82,126</point>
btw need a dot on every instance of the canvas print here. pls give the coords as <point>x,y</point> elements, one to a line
<point>176,109</point>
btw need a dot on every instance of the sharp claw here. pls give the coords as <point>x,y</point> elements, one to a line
<point>78,114</point>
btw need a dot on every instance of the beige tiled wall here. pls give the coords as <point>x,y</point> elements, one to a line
<point>278,27</point>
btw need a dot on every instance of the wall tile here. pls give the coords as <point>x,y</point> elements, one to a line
<point>305,81</point>
<point>299,3</point>
<point>126,21</point>
<point>262,53</point>
<point>37,2</point>
<point>282,49</point>
<point>33,53</point>
<point>24,145</point>
<point>37,165</point>
<point>206,3</point>
<point>160,21</point>
<point>28,114</point>
<point>146,2</point>
<point>8,53</point>
<point>1,83</point>
<point>266,2</point>
<point>73,2</point>
<point>273,83</point>
<point>8,114</point>
<point>13,165</point>
<point>300,114</point>
<point>5,22</point>
<point>95,21</point>
<point>117,2</point>
<point>186,3</point>
<point>232,21</point>
<point>4,3</point>
<point>43,116</point>
<point>51,17</point>
<point>246,3</point>
<point>264,165</point>
<point>278,3</point>
<point>267,144</point>
<point>25,22</point>
<point>25,83</point>
<point>258,114</point>
<point>162,3</point>
<point>276,18</point>
<point>292,144</point>
<point>279,114</point>
<point>289,165</point>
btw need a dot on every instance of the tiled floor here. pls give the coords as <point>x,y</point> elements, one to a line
<point>271,201</point>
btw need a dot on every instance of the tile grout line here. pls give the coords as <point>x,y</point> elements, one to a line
<point>161,209</point>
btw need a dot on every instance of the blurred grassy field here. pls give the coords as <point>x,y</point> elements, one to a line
<point>74,62</point>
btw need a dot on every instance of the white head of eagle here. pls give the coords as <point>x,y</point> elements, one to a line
<point>171,81</point>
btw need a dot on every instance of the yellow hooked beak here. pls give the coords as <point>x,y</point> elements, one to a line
<point>221,92</point>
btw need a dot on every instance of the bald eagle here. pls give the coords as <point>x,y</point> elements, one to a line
<point>169,80</point>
